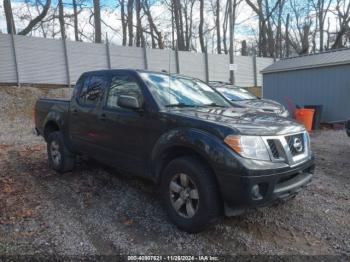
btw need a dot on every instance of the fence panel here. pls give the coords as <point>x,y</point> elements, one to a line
<point>7,62</point>
<point>127,57</point>
<point>85,57</point>
<point>159,60</point>
<point>40,60</point>
<point>192,64</point>
<point>219,67</point>
<point>244,75</point>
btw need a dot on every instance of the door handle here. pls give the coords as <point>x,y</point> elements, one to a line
<point>103,117</point>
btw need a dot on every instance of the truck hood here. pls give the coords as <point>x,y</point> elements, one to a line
<point>262,104</point>
<point>242,120</point>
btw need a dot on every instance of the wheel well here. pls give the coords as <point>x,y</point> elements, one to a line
<point>50,127</point>
<point>175,152</point>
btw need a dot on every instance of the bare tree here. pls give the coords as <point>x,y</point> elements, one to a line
<point>139,32</point>
<point>224,27</point>
<point>244,48</point>
<point>130,21</point>
<point>287,36</point>
<point>124,21</point>
<point>266,35</point>
<point>97,21</point>
<point>178,19</point>
<point>217,24</point>
<point>343,13</point>
<point>61,19</point>
<point>155,33</point>
<point>201,23</point>
<point>321,8</point>
<point>32,23</point>
<point>75,13</point>
<point>9,17</point>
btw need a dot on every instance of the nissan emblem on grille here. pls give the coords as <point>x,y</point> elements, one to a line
<point>297,144</point>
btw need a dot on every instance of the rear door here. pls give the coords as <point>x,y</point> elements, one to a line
<point>84,112</point>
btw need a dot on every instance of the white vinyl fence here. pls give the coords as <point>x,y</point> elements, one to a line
<point>35,60</point>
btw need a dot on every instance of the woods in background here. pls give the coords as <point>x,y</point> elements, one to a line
<point>277,28</point>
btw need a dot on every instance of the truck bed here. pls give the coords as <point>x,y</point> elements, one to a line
<point>44,106</point>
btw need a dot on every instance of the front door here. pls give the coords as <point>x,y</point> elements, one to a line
<point>122,132</point>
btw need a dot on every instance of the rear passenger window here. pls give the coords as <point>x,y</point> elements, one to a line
<point>92,89</point>
<point>122,85</point>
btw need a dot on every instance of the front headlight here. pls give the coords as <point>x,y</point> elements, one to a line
<point>248,146</point>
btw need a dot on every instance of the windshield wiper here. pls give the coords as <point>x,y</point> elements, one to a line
<point>213,104</point>
<point>179,105</point>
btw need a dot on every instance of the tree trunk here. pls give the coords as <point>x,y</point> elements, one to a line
<point>75,14</point>
<point>97,21</point>
<point>138,23</point>
<point>11,29</point>
<point>178,25</point>
<point>61,19</point>
<point>218,34</point>
<point>187,38</point>
<point>244,51</point>
<point>224,29</point>
<point>124,22</point>
<point>201,24</point>
<point>130,21</point>
<point>287,37</point>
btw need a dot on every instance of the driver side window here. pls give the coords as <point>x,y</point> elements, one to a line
<point>122,85</point>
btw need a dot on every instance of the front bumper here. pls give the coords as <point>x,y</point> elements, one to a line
<point>264,187</point>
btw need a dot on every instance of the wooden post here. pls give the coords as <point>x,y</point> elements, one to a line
<point>206,62</point>
<point>177,61</point>
<point>15,54</point>
<point>108,53</point>
<point>66,60</point>
<point>254,68</point>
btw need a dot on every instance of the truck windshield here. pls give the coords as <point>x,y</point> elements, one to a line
<point>178,91</point>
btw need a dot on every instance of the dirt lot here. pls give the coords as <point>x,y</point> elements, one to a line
<point>94,210</point>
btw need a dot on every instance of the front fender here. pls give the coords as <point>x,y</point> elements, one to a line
<point>208,146</point>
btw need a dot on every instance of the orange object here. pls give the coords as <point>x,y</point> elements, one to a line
<point>305,116</point>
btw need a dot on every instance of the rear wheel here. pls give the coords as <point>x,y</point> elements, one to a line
<point>190,194</point>
<point>60,158</point>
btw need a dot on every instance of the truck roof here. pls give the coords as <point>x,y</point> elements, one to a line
<point>108,71</point>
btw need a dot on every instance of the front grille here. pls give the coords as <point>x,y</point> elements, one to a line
<point>296,144</point>
<point>291,149</point>
<point>273,148</point>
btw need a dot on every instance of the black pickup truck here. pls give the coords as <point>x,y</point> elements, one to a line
<point>207,157</point>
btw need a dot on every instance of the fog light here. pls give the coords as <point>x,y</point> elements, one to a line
<point>255,192</point>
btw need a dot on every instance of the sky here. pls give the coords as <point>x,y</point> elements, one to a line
<point>246,24</point>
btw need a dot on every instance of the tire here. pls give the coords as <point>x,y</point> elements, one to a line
<point>203,212</point>
<point>60,158</point>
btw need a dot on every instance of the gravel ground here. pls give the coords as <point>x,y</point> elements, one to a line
<point>95,210</point>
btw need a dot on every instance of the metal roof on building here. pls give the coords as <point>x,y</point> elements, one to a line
<point>329,58</point>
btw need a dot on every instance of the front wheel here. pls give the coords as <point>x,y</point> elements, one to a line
<point>190,194</point>
<point>60,158</point>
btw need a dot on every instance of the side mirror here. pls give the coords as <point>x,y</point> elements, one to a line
<point>128,101</point>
